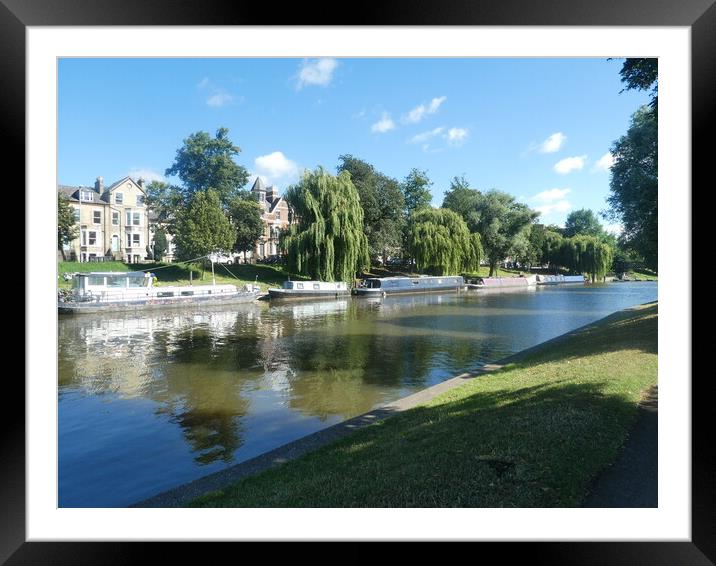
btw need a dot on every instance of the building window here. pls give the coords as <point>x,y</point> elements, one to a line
<point>77,214</point>
<point>92,236</point>
<point>140,200</point>
<point>97,216</point>
<point>86,196</point>
<point>115,218</point>
<point>119,198</point>
<point>133,218</point>
<point>129,240</point>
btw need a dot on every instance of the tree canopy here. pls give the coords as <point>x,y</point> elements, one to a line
<point>634,185</point>
<point>327,242</point>
<point>67,229</point>
<point>245,215</point>
<point>416,190</point>
<point>502,222</point>
<point>440,242</point>
<point>202,227</point>
<point>204,162</point>
<point>382,200</point>
<point>582,222</point>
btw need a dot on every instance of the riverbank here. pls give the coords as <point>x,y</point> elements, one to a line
<point>533,433</point>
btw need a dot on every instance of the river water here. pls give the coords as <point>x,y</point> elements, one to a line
<point>148,403</point>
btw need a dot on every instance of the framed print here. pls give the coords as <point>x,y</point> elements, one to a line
<point>41,43</point>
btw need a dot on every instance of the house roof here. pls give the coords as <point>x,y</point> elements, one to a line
<point>97,198</point>
<point>258,185</point>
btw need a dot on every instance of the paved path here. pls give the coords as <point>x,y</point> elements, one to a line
<point>632,481</point>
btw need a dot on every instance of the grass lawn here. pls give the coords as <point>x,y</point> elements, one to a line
<point>178,274</point>
<point>533,434</point>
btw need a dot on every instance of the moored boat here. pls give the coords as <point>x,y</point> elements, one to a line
<point>503,282</point>
<point>309,290</point>
<point>558,279</point>
<point>379,286</point>
<point>95,292</point>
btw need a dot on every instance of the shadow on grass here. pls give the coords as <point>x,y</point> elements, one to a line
<point>534,446</point>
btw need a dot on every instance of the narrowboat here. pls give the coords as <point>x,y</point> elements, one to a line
<point>503,282</point>
<point>310,290</point>
<point>557,279</point>
<point>380,286</point>
<point>97,291</point>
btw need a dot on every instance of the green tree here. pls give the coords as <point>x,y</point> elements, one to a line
<point>582,222</point>
<point>642,74</point>
<point>327,242</point>
<point>441,243</point>
<point>245,214</point>
<point>67,229</point>
<point>633,198</point>
<point>416,190</point>
<point>160,244</point>
<point>203,227</point>
<point>204,163</point>
<point>382,201</point>
<point>503,223</point>
<point>164,200</point>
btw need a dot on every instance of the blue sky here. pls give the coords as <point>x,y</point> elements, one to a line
<point>539,129</point>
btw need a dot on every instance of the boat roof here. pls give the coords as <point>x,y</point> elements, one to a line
<point>119,273</point>
<point>409,278</point>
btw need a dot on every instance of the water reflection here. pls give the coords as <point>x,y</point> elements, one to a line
<point>149,403</point>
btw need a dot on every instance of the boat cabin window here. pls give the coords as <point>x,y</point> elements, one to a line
<point>140,281</point>
<point>373,283</point>
<point>95,280</point>
<point>117,281</point>
<point>299,285</point>
<point>416,282</point>
<point>316,286</point>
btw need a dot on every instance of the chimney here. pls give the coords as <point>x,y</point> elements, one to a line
<point>140,182</point>
<point>99,185</point>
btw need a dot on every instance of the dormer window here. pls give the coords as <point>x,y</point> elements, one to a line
<point>86,196</point>
<point>118,198</point>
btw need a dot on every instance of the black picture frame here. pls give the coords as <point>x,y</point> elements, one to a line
<point>699,15</point>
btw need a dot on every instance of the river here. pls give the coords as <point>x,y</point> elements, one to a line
<point>148,403</point>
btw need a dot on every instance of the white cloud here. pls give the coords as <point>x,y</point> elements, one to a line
<point>420,111</point>
<point>551,195</point>
<point>605,162</point>
<point>552,143</point>
<point>385,124</point>
<point>559,206</point>
<point>147,174</point>
<point>570,164</point>
<point>317,72</point>
<point>552,201</point>
<point>219,98</point>
<point>275,167</point>
<point>425,136</point>
<point>456,136</point>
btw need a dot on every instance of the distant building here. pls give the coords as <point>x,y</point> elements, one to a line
<point>113,221</point>
<point>275,217</point>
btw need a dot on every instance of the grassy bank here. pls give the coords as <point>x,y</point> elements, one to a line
<point>533,434</point>
<point>179,274</point>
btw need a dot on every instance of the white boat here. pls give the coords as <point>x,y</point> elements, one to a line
<point>134,290</point>
<point>309,290</point>
<point>558,279</point>
<point>379,286</point>
<point>503,282</point>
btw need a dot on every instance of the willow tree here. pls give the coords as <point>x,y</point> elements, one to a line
<point>587,254</point>
<point>327,242</point>
<point>440,242</point>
